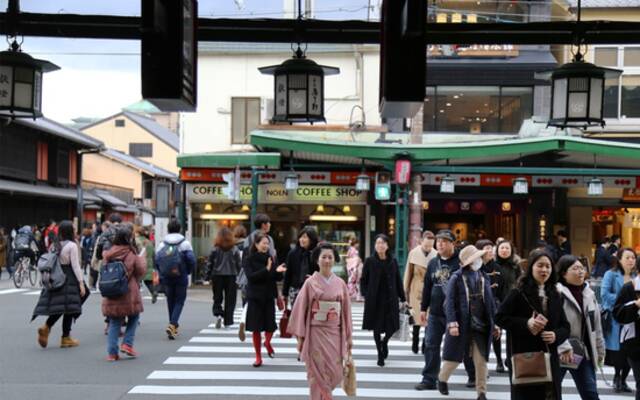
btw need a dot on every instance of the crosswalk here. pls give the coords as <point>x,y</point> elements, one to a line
<point>36,292</point>
<point>215,364</point>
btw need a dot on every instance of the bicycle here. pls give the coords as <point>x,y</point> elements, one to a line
<point>23,269</point>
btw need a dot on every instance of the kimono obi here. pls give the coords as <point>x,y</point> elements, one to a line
<point>326,311</point>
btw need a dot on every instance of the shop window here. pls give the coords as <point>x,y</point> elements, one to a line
<point>428,115</point>
<point>42,171</point>
<point>611,92</point>
<point>632,57</point>
<point>245,117</point>
<point>471,109</point>
<point>119,123</point>
<point>606,56</point>
<point>630,106</point>
<point>516,105</point>
<point>141,149</point>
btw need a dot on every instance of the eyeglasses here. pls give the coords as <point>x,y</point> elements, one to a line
<point>577,268</point>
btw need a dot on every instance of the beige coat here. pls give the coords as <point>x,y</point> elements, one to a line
<point>414,278</point>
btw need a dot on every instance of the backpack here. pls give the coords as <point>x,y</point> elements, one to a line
<point>22,241</point>
<point>169,260</point>
<point>52,276</point>
<point>113,281</point>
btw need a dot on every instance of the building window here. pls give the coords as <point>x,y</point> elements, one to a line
<point>611,92</point>
<point>119,123</point>
<point>606,56</point>
<point>477,109</point>
<point>245,117</point>
<point>630,96</point>
<point>42,172</point>
<point>62,165</point>
<point>141,149</point>
<point>632,57</point>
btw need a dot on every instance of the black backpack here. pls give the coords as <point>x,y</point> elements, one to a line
<point>113,281</point>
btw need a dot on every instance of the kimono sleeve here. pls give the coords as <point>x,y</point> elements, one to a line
<point>298,319</point>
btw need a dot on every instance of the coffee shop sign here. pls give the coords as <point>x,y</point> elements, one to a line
<point>276,193</point>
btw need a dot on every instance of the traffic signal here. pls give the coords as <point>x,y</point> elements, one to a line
<point>232,190</point>
<point>383,186</point>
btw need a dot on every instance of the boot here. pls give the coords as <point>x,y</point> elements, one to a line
<point>43,336</point>
<point>68,341</point>
<point>257,348</point>
<point>616,384</point>
<point>385,349</point>
<point>416,339</point>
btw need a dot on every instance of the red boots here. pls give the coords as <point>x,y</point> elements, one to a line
<point>257,348</point>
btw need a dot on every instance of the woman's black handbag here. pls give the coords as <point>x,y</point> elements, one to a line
<point>607,320</point>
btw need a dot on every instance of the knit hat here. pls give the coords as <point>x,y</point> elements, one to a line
<point>469,254</point>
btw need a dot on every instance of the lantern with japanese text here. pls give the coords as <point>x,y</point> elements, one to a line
<point>21,83</point>
<point>299,89</point>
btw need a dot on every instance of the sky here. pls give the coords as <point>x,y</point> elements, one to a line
<point>99,77</point>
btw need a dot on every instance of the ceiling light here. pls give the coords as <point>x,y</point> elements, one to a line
<point>333,218</point>
<point>217,217</point>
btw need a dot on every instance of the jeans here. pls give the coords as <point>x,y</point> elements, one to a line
<point>176,295</point>
<point>436,327</point>
<point>114,332</point>
<point>224,286</point>
<point>585,379</point>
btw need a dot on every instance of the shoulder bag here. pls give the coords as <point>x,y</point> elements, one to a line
<point>530,368</point>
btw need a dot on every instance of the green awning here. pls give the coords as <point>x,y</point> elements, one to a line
<point>229,160</point>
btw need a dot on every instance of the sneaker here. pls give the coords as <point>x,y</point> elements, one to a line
<point>68,341</point>
<point>113,357</point>
<point>172,331</point>
<point>128,350</point>
<point>443,388</point>
<point>241,332</point>
<point>425,386</point>
<point>218,322</point>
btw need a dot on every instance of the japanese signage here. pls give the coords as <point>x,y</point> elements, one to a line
<point>315,88</point>
<point>6,78</point>
<point>474,50</point>
<point>276,193</point>
<point>281,94</point>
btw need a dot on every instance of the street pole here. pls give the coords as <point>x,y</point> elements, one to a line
<point>80,192</point>
<point>402,227</point>
<point>255,180</point>
<point>415,205</point>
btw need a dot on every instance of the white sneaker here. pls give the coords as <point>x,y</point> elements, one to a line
<point>219,322</point>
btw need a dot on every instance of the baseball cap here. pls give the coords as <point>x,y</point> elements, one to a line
<point>446,234</point>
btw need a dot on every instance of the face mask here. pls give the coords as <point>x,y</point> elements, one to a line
<point>476,264</point>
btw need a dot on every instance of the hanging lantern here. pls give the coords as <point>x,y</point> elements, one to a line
<point>363,182</point>
<point>595,187</point>
<point>291,181</point>
<point>448,185</point>
<point>577,93</point>
<point>21,83</point>
<point>520,185</point>
<point>299,89</point>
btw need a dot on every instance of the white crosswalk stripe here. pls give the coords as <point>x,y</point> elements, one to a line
<point>11,291</point>
<point>215,363</point>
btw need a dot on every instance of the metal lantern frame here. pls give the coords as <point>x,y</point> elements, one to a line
<point>447,185</point>
<point>291,181</point>
<point>19,72</point>
<point>520,185</point>
<point>578,81</point>
<point>363,182</point>
<point>595,187</point>
<point>297,75</point>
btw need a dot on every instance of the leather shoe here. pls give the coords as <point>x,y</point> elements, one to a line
<point>443,388</point>
<point>482,396</point>
<point>500,369</point>
<point>471,383</point>
<point>624,388</point>
<point>425,386</point>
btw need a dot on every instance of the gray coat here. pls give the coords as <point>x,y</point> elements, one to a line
<point>456,308</point>
<point>590,314</point>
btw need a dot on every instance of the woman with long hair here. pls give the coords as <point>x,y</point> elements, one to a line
<point>354,269</point>
<point>299,263</point>
<point>321,322</point>
<point>382,287</point>
<point>623,271</point>
<point>261,294</point>
<point>224,266</point>
<point>65,302</point>
<point>533,317</point>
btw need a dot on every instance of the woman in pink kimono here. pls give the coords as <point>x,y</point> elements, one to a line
<point>321,321</point>
<point>354,270</point>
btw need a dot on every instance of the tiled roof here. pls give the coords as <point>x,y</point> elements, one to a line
<point>57,129</point>
<point>138,163</point>
<point>157,130</point>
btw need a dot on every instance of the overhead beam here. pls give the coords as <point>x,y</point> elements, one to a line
<point>323,31</point>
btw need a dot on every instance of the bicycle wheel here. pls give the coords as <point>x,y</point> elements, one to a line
<point>18,275</point>
<point>33,275</point>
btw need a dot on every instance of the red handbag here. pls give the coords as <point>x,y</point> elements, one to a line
<point>284,323</point>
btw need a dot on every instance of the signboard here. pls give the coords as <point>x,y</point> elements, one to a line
<point>276,193</point>
<point>473,51</point>
<point>403,172</point>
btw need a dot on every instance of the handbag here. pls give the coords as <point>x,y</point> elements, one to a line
<point>532,367</point>
<point>284,324</point>
<point>403,333</point>
<point>349,384</point>
<point>607,321</point>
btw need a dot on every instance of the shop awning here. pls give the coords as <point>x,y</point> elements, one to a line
<point>110,199</point>
<point>126,209</point>
<point>229,160</point>
<point>44,190</point>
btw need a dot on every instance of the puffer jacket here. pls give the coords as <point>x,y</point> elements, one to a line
<point>131,302</point>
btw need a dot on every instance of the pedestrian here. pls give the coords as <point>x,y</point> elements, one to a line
<point>533,317</point>
<point>262,224</point>
<point>50,233</point>
<point>321,322</point>
<point>414,274</point>
<point>616,242</point>
<point>150,278</point>
<point>174,261</point>
<point>381,287</point>
<point>24,245</point>
<point>225,263</point>
<point>603,259</point>
<point>240,235</point>
<point>300,264</point>
<point>262,275</point>
<point>470,311</point>
<point>627,313</point>
<point>623,271</point>
<point>439,270</point>
<point>86,248</point>
<point>4,245</point>
<point>94,268</point>
<point>354,269</point>
<point>586,342</point>
<point>129,305</point>
<point>508,266</point>
<point>65,302</point>
<point>564,246</point>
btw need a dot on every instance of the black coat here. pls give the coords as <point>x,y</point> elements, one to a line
<point>626,312</point>
<point>513,314</point>
<point>65,300</point>
<point>492,269</point>
<point>381,308</point>
<point>261,293</point>
<point>299,264</point>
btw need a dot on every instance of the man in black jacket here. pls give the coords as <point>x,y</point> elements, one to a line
<point>439,270</point>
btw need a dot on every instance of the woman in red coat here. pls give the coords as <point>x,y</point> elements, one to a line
<point>129,305</point>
